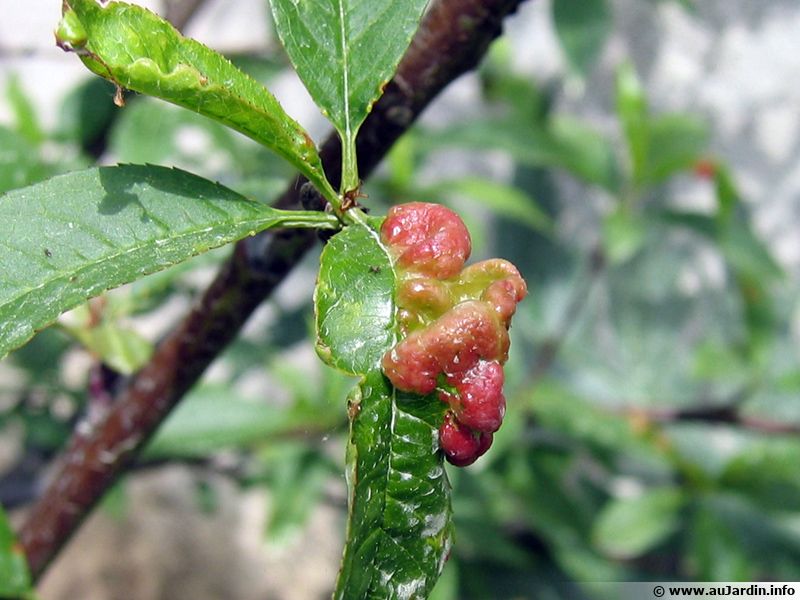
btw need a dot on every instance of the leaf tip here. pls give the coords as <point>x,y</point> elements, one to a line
<point>70,34</point>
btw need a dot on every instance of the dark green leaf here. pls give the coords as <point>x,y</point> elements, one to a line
<point>582,26</point>
<point>758,542</point>
<point>714,549</point>
<point>399,521</point>
<point>345,51</point>
<point>353,301</point>
<point>399,528</point>
<point>76,235</point>
<point>86,115</point>
<point>140,51</point>
<point>746,253</point>
<point>629,527</point>
<point>15,580</point>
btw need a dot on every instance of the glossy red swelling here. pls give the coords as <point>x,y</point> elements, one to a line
<point>479,402</point>
<point>461,445</point>
<point>455,321</point>
<point>429,239</point>
<point>452,344</point>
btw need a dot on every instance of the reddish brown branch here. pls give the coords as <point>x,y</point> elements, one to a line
<point>451,40</point>
<point>724,414</point>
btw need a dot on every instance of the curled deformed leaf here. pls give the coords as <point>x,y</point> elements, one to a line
<point>354,301</point>
<point>399,523</point>
<point>140,51</point>
<point>400,528</point>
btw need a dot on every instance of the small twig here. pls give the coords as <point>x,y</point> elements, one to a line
<point>716,414</point>
<point>453,37</point>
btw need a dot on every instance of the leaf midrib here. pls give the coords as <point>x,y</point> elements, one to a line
<point>345,71</point>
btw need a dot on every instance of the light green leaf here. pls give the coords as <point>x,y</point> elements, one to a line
<point>675,143</point>
<point>138,50</point>
<point>213,418</point>
<point>562,143</point>
<point>296,479</point>
<point>584,152</point>
<point>353,301</point>
<point>15,579</point>
<point>582,27</point>
<point>503,200</point>
<point>76,235</point>
<point>399,528</point>
<point>345,51</point>
<point>24,112</point>
<point>122,349</point>
<point>19,161</point>
<point>629,527</point>
<point>632,112</point>
<point>624,234</point>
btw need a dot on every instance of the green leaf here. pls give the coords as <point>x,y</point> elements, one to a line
<point>629,527</point>
<point>121,348</point>
<point>633,114</point>
<point>15,579</point>
<point>675,143</point>
<point>213,418</point>
<point>138,50</point>
<point>76,235</point>
<point>86,115</point>
<point>582,26</point>
<point>767,473</point>
<point>24,112</point>
<point>624,234</point>
<point>19,161</point>
<point>345,52</point>
<point>584,152</point>
<point>296,481</point>
<point>502,199</point>
<point>399,528</point>
<point>714,549</point>
<point>728,197</point>
<point>353,301</point>
<point>563,143</point>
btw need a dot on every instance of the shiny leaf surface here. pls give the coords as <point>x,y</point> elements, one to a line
<point>71,237</point>
<point>138,50</point>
